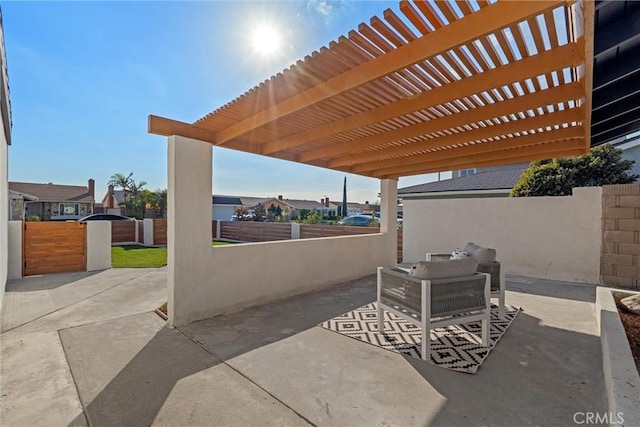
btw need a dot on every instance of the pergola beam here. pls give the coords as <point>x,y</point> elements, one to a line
<point>475,133</point>
<point>502,143</point>
<point>553,96</point>
<point>168,127</point>
<point>570,147</point>
<point>473,26</point>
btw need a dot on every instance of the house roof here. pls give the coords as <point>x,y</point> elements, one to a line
<point>18,195</point>
<point>119,196</point>
<point>502,179</point>
<point>427,87</point>
<point>226,200</point>
<point>53,192</point>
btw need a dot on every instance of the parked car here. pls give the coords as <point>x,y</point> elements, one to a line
<point>360,221</point>
<point>105,217</point>
<point>377,215</point>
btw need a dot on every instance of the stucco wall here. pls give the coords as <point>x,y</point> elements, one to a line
<point>206,281</point>
<point>547,237</point>
<point>14,264</point>
<point>98,245</point>
<point>4,213</point>
<point>239,276</point>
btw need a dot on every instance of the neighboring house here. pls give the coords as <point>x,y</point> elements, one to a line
<point>53,201</point>
<point>17,205</point>
<point>5,141</point>
<point>113,201</point>
<point>485,182</point>
<point>224,207</point>
<point>630,146</point>
<point>359,208</point>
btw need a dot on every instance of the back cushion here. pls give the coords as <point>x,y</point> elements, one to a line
<point>483,255</point>
<point>443,269</point>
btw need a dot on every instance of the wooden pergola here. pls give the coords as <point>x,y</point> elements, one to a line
<point>439,85</point>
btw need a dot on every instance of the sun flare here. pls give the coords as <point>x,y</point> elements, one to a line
<point>266,40</point>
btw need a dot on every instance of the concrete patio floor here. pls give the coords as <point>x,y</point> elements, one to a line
<point>87,349</point>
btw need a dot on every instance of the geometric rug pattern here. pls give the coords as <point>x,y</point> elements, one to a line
<point>455,347</point>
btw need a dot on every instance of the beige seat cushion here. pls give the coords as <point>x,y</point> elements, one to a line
<point>483,255</point>
<point>443,269</point>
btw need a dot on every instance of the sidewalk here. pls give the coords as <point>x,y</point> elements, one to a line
<point>106,359</point>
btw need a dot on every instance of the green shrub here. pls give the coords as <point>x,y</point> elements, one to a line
<point>603,165</point>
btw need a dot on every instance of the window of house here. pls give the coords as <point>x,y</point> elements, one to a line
<point>466,172</point>
<point>69,209</point>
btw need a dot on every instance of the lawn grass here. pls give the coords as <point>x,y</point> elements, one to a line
<point>222,243</point>
<point>133,256</point>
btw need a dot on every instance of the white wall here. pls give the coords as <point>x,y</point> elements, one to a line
<point>14,264</point>
<point>4,214</point>
<point>239,276</point>
<point>547,237</point>
<point>98,245</point>
<point>206,281</point>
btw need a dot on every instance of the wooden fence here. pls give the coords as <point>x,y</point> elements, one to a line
<point>159,231</point>
<point>247,231</point>
<point>123,231</point>
<point>310,231</point>
<point>53,247</point>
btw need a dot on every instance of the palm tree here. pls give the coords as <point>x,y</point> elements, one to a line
<point>118,180</point>
<point>137,196</point>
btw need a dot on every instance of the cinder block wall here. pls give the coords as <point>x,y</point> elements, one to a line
<point>620,259</point>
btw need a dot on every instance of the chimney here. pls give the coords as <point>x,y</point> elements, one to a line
<point>322,202</point>
<point>280,197</point>
<point>326,202</point>
<point>110,197</point>
<point>92,189</point>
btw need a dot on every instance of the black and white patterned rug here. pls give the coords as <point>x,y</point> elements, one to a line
<point>456,347</point>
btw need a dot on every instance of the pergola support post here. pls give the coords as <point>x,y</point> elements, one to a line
<point>389,214</point>
<point>188,221</point>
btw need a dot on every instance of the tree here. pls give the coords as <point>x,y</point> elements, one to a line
<point>137,201</point>
<point>274,213</point>
<point>259,213</point>
<point>242,214</point>
<point>158,200</point>
<point>344,210</point>
<point>118,180</point>
<point>313,217</point>
<point>603,165</point>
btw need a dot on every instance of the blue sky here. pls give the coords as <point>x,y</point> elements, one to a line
<point>84,76</point>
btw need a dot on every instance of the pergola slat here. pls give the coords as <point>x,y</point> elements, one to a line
<point>534,139</point>
<point>515,71</point>
<point>570,147</point>
<point>550,96</point>
<point>566,116</point>
<point>566,150</point>
<point>484,21</point>
<point>431,85</point>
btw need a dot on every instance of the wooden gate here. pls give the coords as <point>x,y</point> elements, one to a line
<point>53,247</point>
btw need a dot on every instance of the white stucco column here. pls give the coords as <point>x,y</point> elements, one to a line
<point>98,245</point>
<point>188,223</point>
<point>388,205</point>
<point>147,234</point>
<point>389,218</point>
